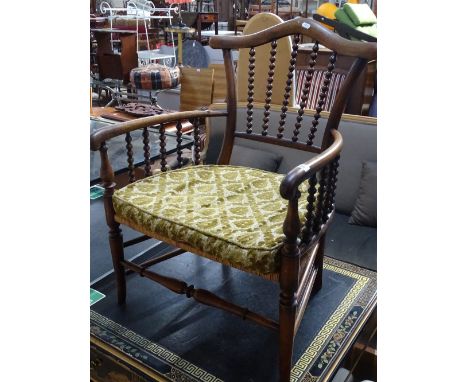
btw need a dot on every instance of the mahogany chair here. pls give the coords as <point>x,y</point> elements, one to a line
<point>267,224</point>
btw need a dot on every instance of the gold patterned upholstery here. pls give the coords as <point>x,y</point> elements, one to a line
<point>233,214</point>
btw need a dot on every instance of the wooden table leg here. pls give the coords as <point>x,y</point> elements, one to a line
<point>179,45</point>
<point>199,25</point>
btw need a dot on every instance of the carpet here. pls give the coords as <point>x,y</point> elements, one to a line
<point>189,342</point>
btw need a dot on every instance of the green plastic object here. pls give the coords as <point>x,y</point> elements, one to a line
<point>342,17</point>
<point>360,14</point>
<point>371,30</point>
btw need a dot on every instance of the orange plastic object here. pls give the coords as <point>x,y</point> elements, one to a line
<point>327,10</point>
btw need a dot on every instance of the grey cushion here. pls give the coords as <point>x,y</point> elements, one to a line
<point>365,208</point>
<point>263,160</point>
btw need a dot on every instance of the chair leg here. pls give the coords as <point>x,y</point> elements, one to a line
<point>117,251</point>
<point>319,266</point>
<point>287,318</point>
<point>287,308</point>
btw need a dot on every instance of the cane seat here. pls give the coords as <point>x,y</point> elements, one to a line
<point>234,214</point>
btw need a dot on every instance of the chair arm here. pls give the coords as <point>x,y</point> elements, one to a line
<point>300,173</point>
<point>102,135</point>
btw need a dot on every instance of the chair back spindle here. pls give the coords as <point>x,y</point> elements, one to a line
<point>320,208</point>
<point>305,90</point>
<point>131,167</point>
<point>333,180</point>
<point>269,88</point>
<point>196,139</point>
<point>250,93</point>
<point>179,144</point>
<point>326,207</point>
<point>310,214</point>
<point>322,98</point>
<point>288,88</point>
<point>162,147</point>
<point>147,153</point>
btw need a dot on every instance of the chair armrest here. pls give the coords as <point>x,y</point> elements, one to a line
<point>300,173</point>
<point>102,135</point>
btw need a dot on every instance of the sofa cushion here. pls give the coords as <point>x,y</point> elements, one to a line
<point>233,214</point>
<point>263,160</point>
<point>365,208</point>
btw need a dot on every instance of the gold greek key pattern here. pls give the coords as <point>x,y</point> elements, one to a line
<point>309,378</point>
<point>371,289</point>
<point>304,362</point>
<point>159,351</point>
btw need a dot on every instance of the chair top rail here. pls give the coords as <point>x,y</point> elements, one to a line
<point>305,26</point>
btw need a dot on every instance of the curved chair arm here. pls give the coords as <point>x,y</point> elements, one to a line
<point>300,173</point>
<point>102,135</point>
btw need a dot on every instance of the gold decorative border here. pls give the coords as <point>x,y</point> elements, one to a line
<point>303,364</point>
<point>159,351</point>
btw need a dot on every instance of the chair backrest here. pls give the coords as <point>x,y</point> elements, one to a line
<point>363,52</point>
<point>196,88</point>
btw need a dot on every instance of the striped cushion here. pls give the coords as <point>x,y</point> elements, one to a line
<point>316,83</point>
<point>155,77</point>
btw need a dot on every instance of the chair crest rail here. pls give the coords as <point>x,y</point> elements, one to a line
<point>305,26</point>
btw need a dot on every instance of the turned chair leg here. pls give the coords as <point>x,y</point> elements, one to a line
<point>287,318</point>
<point>117,250</point>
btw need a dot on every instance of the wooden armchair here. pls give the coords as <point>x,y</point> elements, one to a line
<point>267,224</point>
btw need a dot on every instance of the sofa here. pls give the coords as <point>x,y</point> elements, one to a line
<point>356,244</point>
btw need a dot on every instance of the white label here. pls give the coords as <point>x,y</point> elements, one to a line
<point>304,167</point>
<point>305,25</point>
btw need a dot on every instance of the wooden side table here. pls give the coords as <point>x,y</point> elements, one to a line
<point>206,17</point>
<point>180,32</point>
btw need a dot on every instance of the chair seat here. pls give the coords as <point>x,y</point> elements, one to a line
<point>231,214</point>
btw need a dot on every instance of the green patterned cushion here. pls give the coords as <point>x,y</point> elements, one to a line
<point>234,214</point>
